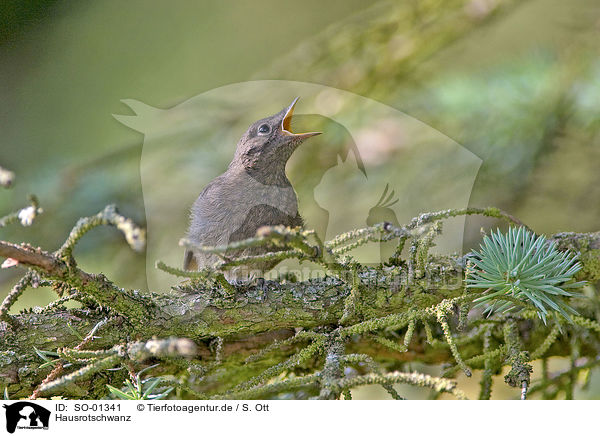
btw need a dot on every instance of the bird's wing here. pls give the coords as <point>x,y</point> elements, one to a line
<point>264,215</point>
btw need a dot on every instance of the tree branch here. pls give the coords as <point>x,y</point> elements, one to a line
<point>134,306</point>
<point>260,320</point>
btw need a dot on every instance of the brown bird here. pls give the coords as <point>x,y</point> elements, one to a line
<point>253,192</point>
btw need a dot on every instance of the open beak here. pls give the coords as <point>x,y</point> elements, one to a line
<point>286,124</point>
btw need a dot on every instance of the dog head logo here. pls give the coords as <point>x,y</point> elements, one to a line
<point>25,414</point>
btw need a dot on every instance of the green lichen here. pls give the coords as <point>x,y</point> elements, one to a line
<point>318,338</point>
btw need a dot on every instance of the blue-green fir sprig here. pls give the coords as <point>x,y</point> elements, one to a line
<point>526,267</point>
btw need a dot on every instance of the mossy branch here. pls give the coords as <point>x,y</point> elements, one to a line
<point>341,314</point>
<point>61,267</point>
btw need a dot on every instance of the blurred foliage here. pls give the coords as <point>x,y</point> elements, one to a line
<point>18,15</point>
<point>512,82</point>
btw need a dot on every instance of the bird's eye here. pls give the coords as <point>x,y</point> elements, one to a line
<point>264,129</point>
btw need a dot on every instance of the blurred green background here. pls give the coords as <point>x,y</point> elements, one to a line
<point>517,83</point>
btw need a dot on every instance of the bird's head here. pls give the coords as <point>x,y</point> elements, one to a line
<point>268,143</point>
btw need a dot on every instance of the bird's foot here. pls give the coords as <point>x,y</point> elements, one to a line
<point>251,282</point>
<point>260,284</point>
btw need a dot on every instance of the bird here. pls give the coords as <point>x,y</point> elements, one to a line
<point>253,192</point>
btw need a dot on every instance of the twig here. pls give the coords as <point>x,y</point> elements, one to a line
<point>491,212</point>
<point>442,319</point>
<point>373,367</point>
<point>416,379</point>
<point>25,215</point>
<point>14,294</point>
<point>137,351</point>
<point>203,274</point>
<point>304,354</point>
<point>270,389</point>
<point>332,371</point>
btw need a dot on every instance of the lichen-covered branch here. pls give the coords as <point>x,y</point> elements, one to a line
<point>136,351</point>
<point>14,294</point>
<point>249,331</point>
<point>96,286</point>
<point>25,216</point>
<point>135,236</point>
<point>415,379</point>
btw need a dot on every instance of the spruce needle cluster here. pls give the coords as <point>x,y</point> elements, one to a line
<point>520,265</point>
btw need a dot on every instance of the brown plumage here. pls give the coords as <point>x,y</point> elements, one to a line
<point>253,192</point>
